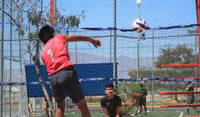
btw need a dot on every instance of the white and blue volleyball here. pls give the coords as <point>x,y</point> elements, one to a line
<point>139,25</point>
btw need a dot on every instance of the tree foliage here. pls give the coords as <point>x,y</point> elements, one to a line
<point>34,14</point>
<point>126,93</point>
<point>181,54</point>
<point>28,16</point>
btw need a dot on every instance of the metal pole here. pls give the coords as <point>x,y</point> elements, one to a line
<point>138,10</point>
<point>196,75</point>
<point>114,49</point>
<point>138,42</point>
<point>20,48</point>
<point>52,13</point>
<point>110,46</point>
<point>2,54</point>
<point>137,61</point>
<point>153,66</point>
<point>198,21</point>
<point>10,91</point>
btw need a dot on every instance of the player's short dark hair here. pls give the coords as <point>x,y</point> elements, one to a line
<point>110,85</point>
<point>46,33</point>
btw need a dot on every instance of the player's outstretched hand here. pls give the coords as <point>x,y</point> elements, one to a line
<point>97,43</point>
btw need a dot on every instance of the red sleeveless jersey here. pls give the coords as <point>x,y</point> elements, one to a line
<point>55,55</point>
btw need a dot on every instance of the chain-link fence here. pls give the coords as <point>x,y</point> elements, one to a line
<point>136,57</point>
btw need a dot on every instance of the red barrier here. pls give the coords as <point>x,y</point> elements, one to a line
<point>178,92</point>
<point>178,105</point>
<point>191,116</point>
<point>177,65</point>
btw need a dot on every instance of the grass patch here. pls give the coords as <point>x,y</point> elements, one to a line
<point>175,113</point>
<point>149,114</point>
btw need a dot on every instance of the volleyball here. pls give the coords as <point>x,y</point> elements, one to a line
<point>139,25</point>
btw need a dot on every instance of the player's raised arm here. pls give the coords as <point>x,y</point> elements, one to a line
<point>73,38</point>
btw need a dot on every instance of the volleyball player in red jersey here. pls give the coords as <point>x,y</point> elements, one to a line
<point>63,79</point>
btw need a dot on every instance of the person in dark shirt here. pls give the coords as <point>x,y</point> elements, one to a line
<point>190,98</point>
<point>141,101</point>
<point>142,98</point>
<point>111,103</point>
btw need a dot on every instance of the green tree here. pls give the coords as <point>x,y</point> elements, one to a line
<point>126,92</point>
<point>35,13</point>
<point>181,54</point>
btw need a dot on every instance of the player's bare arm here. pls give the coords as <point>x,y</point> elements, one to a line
<point>106,112</point>
<point>73,38</point>
<point>118,111</point>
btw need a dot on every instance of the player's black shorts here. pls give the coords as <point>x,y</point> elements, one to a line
<point>142,101</point>
<point>66,81</point>
<point>190,100</point>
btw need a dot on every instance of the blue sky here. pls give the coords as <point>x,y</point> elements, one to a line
<point>99,13</point>
<point>157,13</point>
